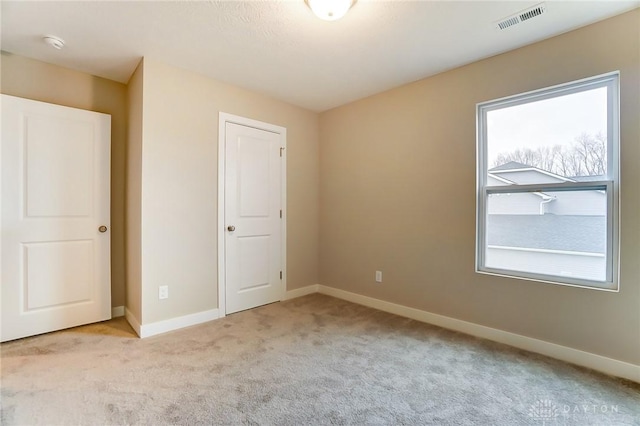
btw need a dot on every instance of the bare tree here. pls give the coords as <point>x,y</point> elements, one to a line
<point>586,156</point>
<point>592,153</point>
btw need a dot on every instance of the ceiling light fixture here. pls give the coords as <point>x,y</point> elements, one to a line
<point>53,41</point>
<point>330,10</point>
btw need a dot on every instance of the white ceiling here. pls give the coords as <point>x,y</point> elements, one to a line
<point>278,47</point>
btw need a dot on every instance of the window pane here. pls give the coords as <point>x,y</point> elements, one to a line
<point>561,233</point>
<point>548,184</point>
<point>549,141</point>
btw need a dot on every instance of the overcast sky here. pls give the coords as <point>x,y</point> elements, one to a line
<point>546,123</point>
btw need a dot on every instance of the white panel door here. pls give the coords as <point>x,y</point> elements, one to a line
<point>253,202</point>
<point>55,258</point>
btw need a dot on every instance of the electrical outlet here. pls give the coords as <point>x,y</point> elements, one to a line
<point>163,292</point>
<point>378,276</point>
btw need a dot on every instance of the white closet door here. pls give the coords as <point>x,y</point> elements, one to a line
<point>253,204</point>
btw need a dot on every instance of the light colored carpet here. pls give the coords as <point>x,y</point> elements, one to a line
<point>312,360</point>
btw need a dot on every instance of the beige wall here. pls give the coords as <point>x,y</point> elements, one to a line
<point>179,187</point>
<point>398,195</point>
<point>31,79</point>
<point>134,194</point>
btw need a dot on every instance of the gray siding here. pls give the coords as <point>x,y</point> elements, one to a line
<point>588,203</point>
<point>510,204</point>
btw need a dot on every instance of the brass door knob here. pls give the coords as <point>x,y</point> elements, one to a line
<point>231,228</point>
<point>102,229</point>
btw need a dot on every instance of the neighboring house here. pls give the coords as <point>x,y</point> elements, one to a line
<point>554,233</point>
<point>583,203</point>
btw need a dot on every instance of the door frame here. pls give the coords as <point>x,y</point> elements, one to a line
<point>223,119</point>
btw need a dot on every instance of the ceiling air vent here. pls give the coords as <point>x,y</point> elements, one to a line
<point>522,16</point>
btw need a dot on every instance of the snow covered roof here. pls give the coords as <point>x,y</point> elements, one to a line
<point>511,165</point>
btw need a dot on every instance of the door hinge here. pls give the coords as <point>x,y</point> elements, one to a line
<point>281,151</point>
<point>280,274</point>
<point>280,213</point>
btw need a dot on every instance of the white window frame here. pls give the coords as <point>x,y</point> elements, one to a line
<point>611,183</point>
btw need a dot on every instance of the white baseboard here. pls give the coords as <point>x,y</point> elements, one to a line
<point>148,330</point>
<point>564,353</point>
<point>117,311</point>
<point>299,292</point>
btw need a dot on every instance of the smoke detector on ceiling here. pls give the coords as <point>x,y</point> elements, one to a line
<point>523,15</point>
<point>53,41</point>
